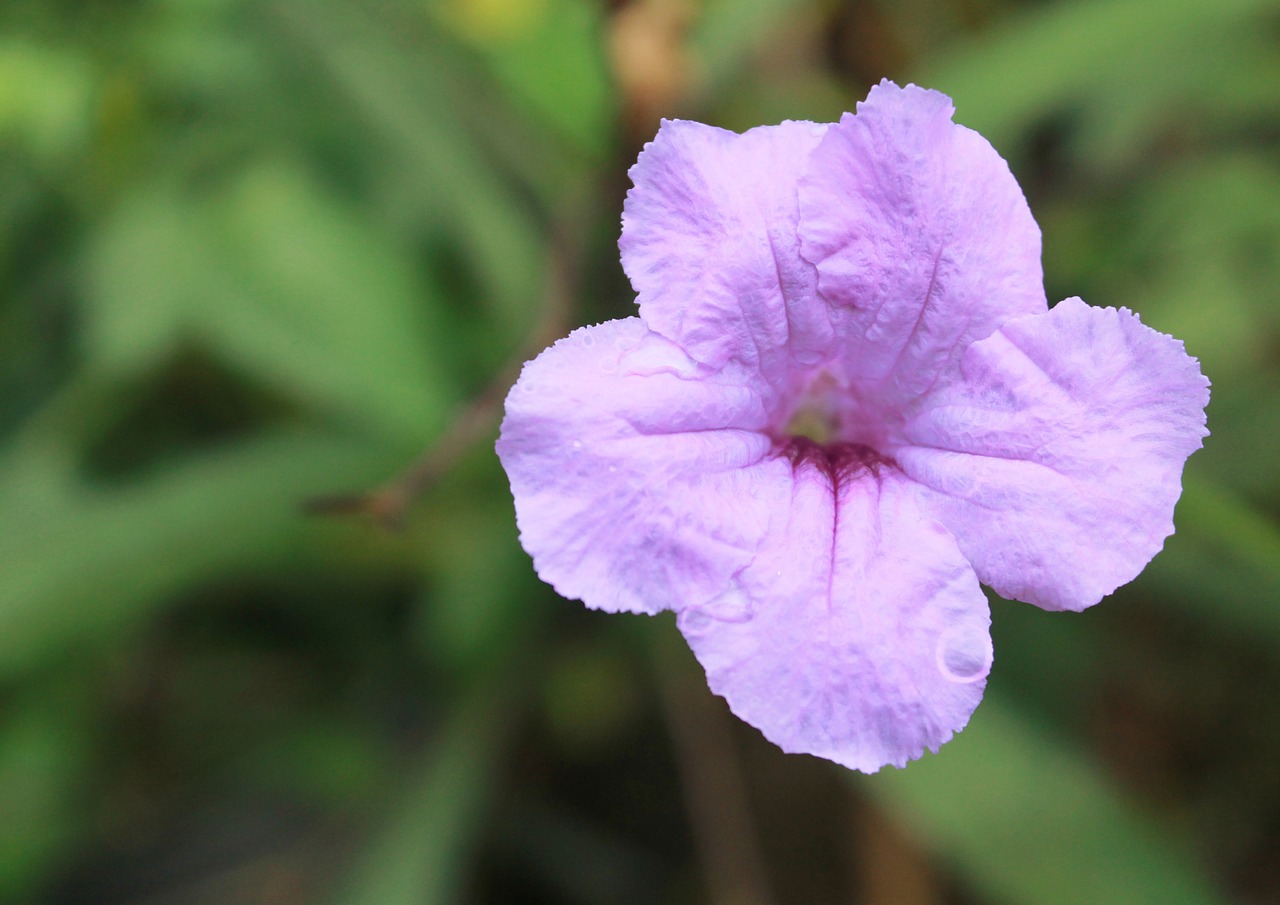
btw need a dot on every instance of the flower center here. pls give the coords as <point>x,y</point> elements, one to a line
<point>831,431</point>
<point>838,461</point>
<point>810,423</point>
<point>817,417</point>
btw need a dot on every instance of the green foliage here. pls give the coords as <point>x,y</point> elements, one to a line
<point>1123,68</point>
<point>1023,815</point>
<point>256,253</point>
<point>419,858</point>
<point>274,276</point>
<point>43,755</point>
<point>46,97</point>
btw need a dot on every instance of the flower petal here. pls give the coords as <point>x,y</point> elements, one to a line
<point>869,638</point>
<point>709,242</point>
<point>631,468</point>
<point>1056,461</point>
<point>920,232</point>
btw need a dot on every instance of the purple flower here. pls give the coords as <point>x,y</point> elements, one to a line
<point>845,402</point>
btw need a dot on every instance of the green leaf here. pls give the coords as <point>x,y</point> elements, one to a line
<point>196,50</point>
<point>411,102</point>
<point>277,278</point>
<point>319,758</point>
<point>46,98</point>
<point>1195,266</point>
<point>83,564</point>
<point>548,56</point>
<point>479,573</point>
<point>1239,454</point>
<point>151,273</point>
<point>1027,821</point>
<point>727,31</point>
<point>330,305</point>
<point>43,752</point>
<point>420,858</point>
<point>1224,561</point>
<point>1120,65</point>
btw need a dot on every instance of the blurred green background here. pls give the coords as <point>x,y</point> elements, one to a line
<point>256,255</point>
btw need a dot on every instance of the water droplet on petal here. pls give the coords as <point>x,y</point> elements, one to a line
<point>964,654</point>
<point>732,606</point>
<point>693,621</point>
<point>648,359</point>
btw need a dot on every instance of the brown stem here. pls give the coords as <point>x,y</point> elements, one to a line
<point>390,504</point>
<point>891,867</point>
<point>712,779</point>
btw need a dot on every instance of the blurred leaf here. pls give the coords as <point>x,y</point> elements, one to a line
<point>335,307</point>
<point>1239,455</point>
<point>1047,664</point>
<point>151,271</point>
<point>81,563</point>
<point>409,103</point>
<point>42,757</point>
<point>321,759</point>
<point>590,698</point>
<point>1199,265</point>
<point>727,31</point>
<point>421,857</point>
<point>1119,65</point>
<point>1225,531</point>
<point>46,98</point>
<point>548,55</point>
<point>194,49</point>
<point>1027,821</point>
<point>476,604</point>
<point>582,861</point>
<point>282,281</point>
